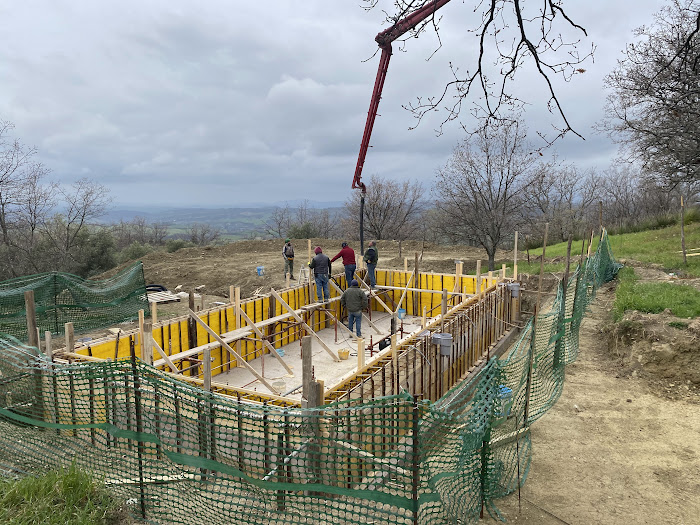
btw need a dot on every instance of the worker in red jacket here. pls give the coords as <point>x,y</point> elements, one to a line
<point>348,255</point>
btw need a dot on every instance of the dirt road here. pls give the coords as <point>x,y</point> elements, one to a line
<point>611,451</point>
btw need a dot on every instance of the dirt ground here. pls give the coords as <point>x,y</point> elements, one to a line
<point>218,267</point>
<point>621,446</point>
<point>618,448</point>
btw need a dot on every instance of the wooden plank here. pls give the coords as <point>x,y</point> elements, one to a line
<point>233,353</point>
<point>163,297</point>
<point>267,344</point>
<point>403,295</point>
<point>229,337</point>
<point>420,290</point>
<point>306,326</point>
<point>166,359</point>
<point>154,480</point>
<point>70,337</point>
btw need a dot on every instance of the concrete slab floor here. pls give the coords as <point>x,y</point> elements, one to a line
<point>325,368</point>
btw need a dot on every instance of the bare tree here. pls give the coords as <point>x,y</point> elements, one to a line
<point>202,234</point>
<point>477,191</point>
<point>629,197</point>
<point>653,110</point>
<point>559,195</point>
<point>392,209</point>
<point>279,222</point>
<point>84,201</point>
<point>159,231</point>
<point>301,222</point>
<point>24,202</point>
<point>508,36</point>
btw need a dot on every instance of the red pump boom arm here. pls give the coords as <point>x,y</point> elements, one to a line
<point>384,39</point>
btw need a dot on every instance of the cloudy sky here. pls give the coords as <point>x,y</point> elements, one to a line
<point>226,103</point>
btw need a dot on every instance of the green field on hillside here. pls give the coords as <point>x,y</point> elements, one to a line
<point>661,247</point>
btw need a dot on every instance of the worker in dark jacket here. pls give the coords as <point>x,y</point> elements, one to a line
<point>354,300</point>
<point>371,257</point>
<point>348,255</point>
<point>321,265</point>
<point>288,254</point>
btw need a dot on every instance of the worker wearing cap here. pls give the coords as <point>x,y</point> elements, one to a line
<point>288,254</point>
<point>371,257</point>
<point>354,300</point>
<point>321,265</point>
<point>348,255</point>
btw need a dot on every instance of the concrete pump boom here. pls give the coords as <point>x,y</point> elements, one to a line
<point>384,39</point>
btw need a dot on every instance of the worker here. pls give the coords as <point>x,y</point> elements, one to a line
<point>321,265</point>
<point>348,255</point>
<point>371,257</point>
<point>288,254</point>
<point>354,300</point>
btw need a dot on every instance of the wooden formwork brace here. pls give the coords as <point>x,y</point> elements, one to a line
<point>308,329</point>
<point>235,354</point>
<point>266,342</point>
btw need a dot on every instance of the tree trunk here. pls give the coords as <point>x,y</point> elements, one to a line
<point>492,259</point>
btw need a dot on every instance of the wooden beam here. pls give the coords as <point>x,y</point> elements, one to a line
<point>234,335</point>
<point>477,280</point>
<point>360,354</point>
<point>147,346</point>
<point>515,256</point>
<point>48,349</point>
<point>403,295</point>
<point>165,357</point>
<point>421,290</point>
<point>207,369</point>
<point>267,344</point>
<point>238,310</point>
<point>308,329</point>
<point>70,337</point>
<point>416,274</point>
<point>459,268</point>
<point>306,370</point>
<point>232,352</point>
<point>443,311</point>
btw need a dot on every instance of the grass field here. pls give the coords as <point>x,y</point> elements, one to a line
<point>63,497</point>
<point>662,247</point>
<point>682,301</point>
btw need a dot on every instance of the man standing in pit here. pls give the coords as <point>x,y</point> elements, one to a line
<point>354,300</point>
<point>348,255</point>
<point>371,257</point>
<point>288,254</point>
<point>321,265</point>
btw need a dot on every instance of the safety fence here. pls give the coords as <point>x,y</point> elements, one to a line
<point>177,453</point>
<point>62,298</point>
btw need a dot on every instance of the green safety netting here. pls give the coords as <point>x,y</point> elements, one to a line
<point>177,454</point>
<point>61,298</point>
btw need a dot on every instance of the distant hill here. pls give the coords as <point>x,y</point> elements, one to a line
<point>235,223</point>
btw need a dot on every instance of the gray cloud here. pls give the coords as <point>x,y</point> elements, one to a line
<point>221,103</point>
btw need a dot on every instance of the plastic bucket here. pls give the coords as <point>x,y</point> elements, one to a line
<point>505,401</point>
<point>260,270</point>
<point>344,353</point>
<point>402,313</point>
